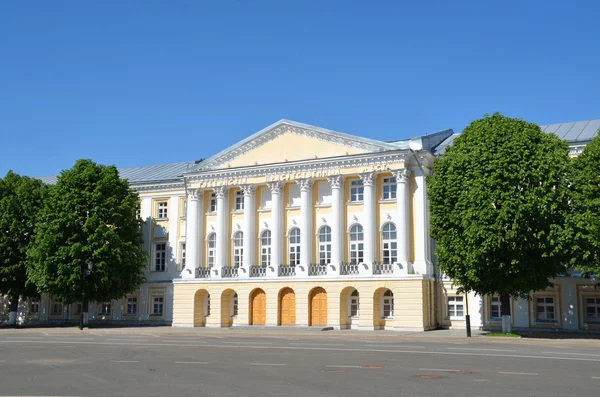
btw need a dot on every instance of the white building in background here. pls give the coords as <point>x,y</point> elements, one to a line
<point>301,226</point>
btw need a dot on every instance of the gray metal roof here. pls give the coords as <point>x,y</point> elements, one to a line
<point>446,143</point>
<point>152,173</point>
<point>574,132</point>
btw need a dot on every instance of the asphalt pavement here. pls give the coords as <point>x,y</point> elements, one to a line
<point>254,362</point>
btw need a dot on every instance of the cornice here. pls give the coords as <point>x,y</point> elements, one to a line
<point>157,186</point>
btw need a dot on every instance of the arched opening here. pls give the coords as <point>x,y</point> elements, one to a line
<point>317,311</point>
<point>383,307</point>
<point>229,307</point>
<point>349,308</point>
<point>287,307</point>
<point>201,307</point>
<point>258,307</point>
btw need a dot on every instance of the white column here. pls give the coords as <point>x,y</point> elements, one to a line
<point>422,244</point>
<point>337,221</point>
<point>221,255</point>
<point>369,227</point>
<point>306,223</point>
<point>193,221</point>
<point>249,226</point>
<point>276,227</point>
<point>403,219</point>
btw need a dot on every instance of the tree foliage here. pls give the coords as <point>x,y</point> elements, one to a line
<point>585,219</point>
<point>21,200</point>
<point>90,216</point>
<point>499,199</point>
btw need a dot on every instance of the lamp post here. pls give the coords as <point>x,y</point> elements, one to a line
<point>84,273</point>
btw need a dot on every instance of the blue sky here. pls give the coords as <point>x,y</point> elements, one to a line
<point>137,83</point>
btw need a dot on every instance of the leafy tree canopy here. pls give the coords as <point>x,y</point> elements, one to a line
<point>21,200</point>
<point>499,200</point>
<point>585,219</point>
<point>90,216</point>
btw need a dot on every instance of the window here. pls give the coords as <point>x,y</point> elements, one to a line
<point>77,309</point>
<point>105,308</point>
<point>356,190</point>
<point>162,210</point>
<point>34,306</point>
<point>213,203</point>
<point>265,248</point>
<point>234,305</point>
<point>495,307</point>
<point>354,304</point>
<point>357,245</point>
<point>389,244</point>
<point>592,310</point>
<point>211,247</point>
<point>544,310</point>
<point>239,200</point>
<point>388,188</point>
<point>388,304</point>
<point>160,257</point>
<point>207,305</point>
<point>238,249</point>
<point>182,255</point>
<point>57,308</point>
<point>184,208</point>
<point>158,303</point>
<point>325,245</point>
<point>294,246</point>
<point>455,307</point>
<point>138,210</point>
<point>131,308</point>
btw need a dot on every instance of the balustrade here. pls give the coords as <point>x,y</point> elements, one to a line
<point>229,272</point>
<point>258,271</point>
<point>203,272</point>
<point>316,269</point>
<point>382,268</point>
<point>286,271</point>
<point>347,269</point>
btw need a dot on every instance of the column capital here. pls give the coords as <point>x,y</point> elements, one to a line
<point>367,178</point>
<point>221,191</point>
<point>335,181</point>
<point>194,194</point>
<point>275,187</point>
<point>402,175</point>
<point>305,183</point>
<point>248,189</point>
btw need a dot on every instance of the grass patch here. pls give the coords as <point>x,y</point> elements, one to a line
<point>504,334</point>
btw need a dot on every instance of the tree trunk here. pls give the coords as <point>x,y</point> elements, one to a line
<point>13,307</point>
<point>505,309</point>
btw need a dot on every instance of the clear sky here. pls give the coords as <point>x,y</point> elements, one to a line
<point>150,82</point>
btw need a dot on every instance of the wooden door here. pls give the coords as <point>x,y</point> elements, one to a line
<point>318,305</point>
<point>259,308</point>
<point>288,308</point>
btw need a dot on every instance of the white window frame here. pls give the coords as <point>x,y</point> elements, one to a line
<point>545,304</point>
<point>354,304</point>
<point>158,301</point>
<point>389,244</point>
<point>595,304</point>
<point>211,250</point>
<point>387,304</point>
<point>162,210</point>
<point>182,255</point>
<point>103,309</point>
<point>324,244</point>
<point>357,244</point>
<point>34,303</point>
<point>212,204</point>
<point>357,191</point>
<point>452,307</point>
<point>239,201</point>
<point>265,248</point>
<point>138,210</point>
<point>495,306</point>
<point>388,188</point>
<point>131,302</point>
<point>237,249</point>
<point>160,257</point>
<point>294,246</point>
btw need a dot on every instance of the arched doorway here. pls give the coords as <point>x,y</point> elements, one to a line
<point>201,307</point>
<point>258,307</point>
<point>229,307</point>
<point>318,307</point>
<point>287,307</point>
<point>383,307</point>
<point>349,308</point>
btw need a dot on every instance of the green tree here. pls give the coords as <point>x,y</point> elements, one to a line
<point>90,217</point>
<point>499,200</point>
<point>21,200</point>
<point>585,219</point>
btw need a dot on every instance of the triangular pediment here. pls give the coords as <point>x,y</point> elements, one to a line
<point>290,141</point>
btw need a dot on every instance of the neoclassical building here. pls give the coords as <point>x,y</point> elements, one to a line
<point>302,226</point>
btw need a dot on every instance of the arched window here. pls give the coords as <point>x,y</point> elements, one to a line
<point>265,248</point>
<point>325,245</point>
<point>354,304</point>
<point>211,250</point>
<point>294,246</point>
<point>389,244</point>
<point>387,304</point>
<point>357,245</point>
<point>238,249</point>
<point>234,305</point>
